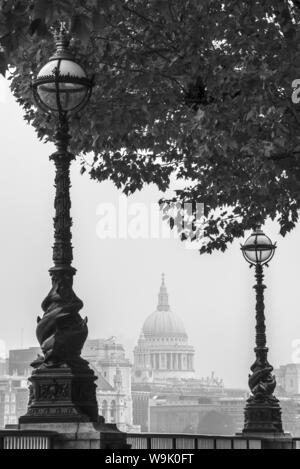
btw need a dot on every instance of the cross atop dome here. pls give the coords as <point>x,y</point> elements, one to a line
<point>163,297</point>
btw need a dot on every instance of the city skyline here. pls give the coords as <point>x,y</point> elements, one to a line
<point>118,279</point>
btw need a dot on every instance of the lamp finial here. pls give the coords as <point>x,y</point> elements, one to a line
<point>62,38</point>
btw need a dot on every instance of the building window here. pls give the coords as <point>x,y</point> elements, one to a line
<point>6,397</point>
<point>104,409</point>
<point>6,409</point>
<point>113,412</point>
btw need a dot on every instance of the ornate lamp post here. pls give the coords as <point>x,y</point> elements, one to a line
<point>262,413</point>
<point>62,384</point>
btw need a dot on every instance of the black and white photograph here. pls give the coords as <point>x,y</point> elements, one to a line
<point>149,235</point>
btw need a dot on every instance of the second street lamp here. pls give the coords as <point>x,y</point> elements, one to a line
<point>262,413</point>
<point>62,385</point>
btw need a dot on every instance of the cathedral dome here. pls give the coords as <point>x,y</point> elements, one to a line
<point>163,322</point>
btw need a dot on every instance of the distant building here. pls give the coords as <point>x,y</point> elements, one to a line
<point>13,399</point>
<point>288,392</point>
<point>234,407</point>
<point>163,351</point>
<point>113,370</point>
<point>141,408</point>
<point>22,398</point>
<point>178,414</point>
<point>20,360</point>
<point>3,366</point>
<point>189,414</point>
<point>163,374</point>
<point>290,415</point>
<point>14,393</point>
<point>288,379</point>
<point>111,367</point>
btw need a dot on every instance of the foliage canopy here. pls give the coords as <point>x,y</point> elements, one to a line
<point>197,89</point>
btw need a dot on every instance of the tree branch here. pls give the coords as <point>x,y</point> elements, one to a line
<point>283,17</point>
<point>140,15</point>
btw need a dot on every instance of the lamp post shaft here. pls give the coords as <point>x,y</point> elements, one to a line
<point>262,413</point>
<point>62,249</point>
<point>61,304</point>
<point>62,386</point>
<point>261,339</point>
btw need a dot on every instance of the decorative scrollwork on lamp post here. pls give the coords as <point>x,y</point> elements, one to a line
<point>262,412</point>
<point>61,377</point>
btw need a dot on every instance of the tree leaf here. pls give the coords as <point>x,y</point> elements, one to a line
<point>99,22</point>
<point>81,28</point>
<point>41,8</point>
<point>34,26</point>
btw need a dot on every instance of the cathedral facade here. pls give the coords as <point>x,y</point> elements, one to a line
<point>164,382</point>
<point>163,351</point>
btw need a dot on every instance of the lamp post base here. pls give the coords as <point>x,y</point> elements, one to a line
<point>63,394</point>
<point>263,416</point>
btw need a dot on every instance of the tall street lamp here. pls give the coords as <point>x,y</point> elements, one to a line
<point>262,412</point>
<point>62,384</point>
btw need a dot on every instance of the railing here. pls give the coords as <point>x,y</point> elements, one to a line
<point>165,441</point>
<point>14,439</point>
<point>296,443</point>
<point>18,439</point>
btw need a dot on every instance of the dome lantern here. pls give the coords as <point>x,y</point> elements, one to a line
<point>163,323</point>
<point>163,297</point>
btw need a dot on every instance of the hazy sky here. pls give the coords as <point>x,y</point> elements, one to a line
<point>119,279</point>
